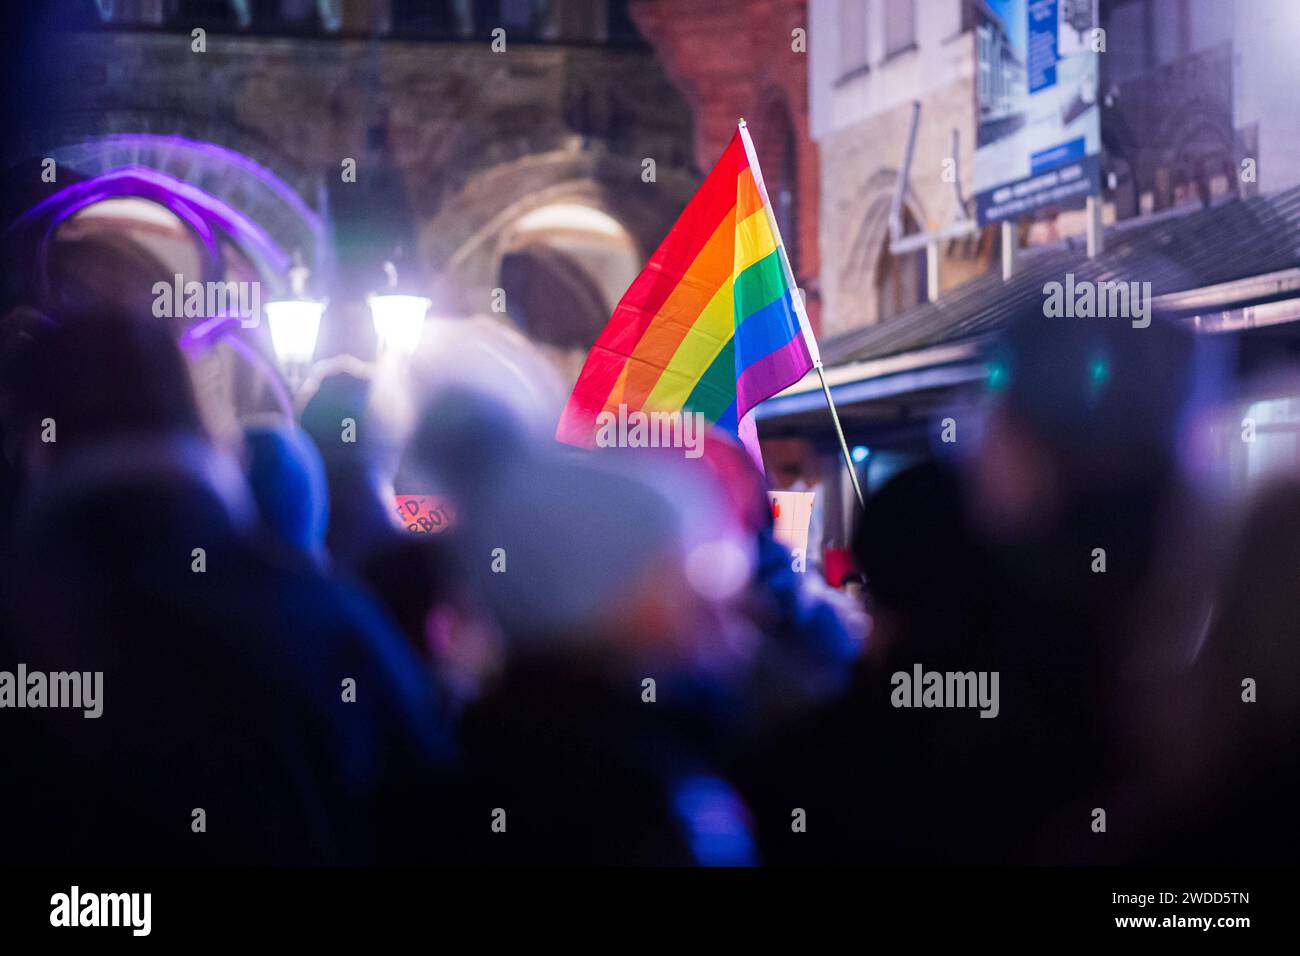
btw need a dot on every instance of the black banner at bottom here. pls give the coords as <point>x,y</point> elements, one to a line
<point>240,905</point>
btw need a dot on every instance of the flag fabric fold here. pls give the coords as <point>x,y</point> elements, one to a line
<point>713,324</point>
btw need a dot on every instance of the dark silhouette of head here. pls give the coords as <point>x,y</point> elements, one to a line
<point>916,550</point>
<point>97,378</point>
<point>1101,398</point>
<point>339,391</point>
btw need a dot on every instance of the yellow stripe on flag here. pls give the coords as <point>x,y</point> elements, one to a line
<point>754,241</point>
<point>708,337</point>
<point>716,324</point>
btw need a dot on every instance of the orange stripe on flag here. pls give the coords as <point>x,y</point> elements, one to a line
<point>711,268</point>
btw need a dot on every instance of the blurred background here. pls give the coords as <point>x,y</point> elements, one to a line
<point>422,214</point>
<point>510,189</point>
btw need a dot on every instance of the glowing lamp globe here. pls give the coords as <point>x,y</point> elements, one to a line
<point>295,324</point>
<point>399,321</point>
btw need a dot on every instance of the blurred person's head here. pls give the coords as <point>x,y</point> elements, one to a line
<point>1081,409</point>
<point>287,479</point>
<point>716,501</point>
<point>573,553</point>
<point>720,493</point>
<point>105,400</point>
<point>574,558</point>
<point>464,442</point>
<point>789,473</point>
<point>1256,628</point>
<point>336,412</point>
<point>88,379</point>
<point>356,447</point>
<point>915,548</point>
<point>1219,743</point>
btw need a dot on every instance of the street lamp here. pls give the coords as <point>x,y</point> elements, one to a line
<point>398,317</point>
<point>295,324</point>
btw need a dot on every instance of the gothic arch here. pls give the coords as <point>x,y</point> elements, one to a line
<point>860,266</point>
<point>869,211</point>
<point>464,245</point>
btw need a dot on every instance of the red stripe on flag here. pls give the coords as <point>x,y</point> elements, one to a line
<point>638,308</point>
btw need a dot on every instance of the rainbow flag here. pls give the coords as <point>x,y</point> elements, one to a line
<point>713,324</point>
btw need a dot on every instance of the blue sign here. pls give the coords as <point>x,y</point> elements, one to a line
<point>1038,131</point>
<point>1041,53</point>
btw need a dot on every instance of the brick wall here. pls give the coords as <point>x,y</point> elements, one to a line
<point>733,59</point>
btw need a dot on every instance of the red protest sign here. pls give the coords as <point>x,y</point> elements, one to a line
<point>424,514</point>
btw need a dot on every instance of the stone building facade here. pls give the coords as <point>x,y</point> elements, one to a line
<point>870,61</point>
<point>477,162</point>
<point>1189,90</point>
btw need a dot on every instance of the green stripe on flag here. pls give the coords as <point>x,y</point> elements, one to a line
<point>760,285</point>
<point>716,389</point>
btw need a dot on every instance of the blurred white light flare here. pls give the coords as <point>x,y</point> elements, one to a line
<point>399,321</point>
<point>295,324</point>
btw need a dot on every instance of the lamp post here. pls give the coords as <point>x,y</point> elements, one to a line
<point>295,324</point>
<point>398,317</point>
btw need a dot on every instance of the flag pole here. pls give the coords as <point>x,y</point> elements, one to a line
<point>844,445</point>
<point>797,295</point>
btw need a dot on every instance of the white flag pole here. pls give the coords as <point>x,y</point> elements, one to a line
<point>796,294</point>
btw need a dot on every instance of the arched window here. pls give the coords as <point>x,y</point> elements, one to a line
<point>563,267</point>
<point>900,280</point>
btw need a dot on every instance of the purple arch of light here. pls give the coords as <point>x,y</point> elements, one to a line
<point>196,207</point>
<point>225,156</point>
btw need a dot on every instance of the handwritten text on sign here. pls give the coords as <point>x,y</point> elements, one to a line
<point>424,514</point>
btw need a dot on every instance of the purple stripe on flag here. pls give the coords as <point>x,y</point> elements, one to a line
<point>775,371</point>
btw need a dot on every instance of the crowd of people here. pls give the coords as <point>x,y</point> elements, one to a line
<point>610,658</point>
